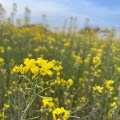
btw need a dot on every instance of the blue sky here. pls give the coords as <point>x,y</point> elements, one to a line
<point>102,13</point>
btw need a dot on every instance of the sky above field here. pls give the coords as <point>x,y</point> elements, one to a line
<point>102,13</point>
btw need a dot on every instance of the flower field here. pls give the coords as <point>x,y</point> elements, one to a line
<point>46,75</point>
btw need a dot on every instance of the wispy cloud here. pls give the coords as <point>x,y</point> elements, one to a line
<point>57,11</point>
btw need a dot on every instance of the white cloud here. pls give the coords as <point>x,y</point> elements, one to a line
<point>57,11</point>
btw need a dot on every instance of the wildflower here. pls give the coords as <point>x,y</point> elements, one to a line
<point>35,70</point>
<point>6,106</point>
<point>110,112</point>
<point>80,79</point>
<point>29,55</point>
<point>40,61</point>
<point>9,48</point>
<point>86,60</point>
<point>47,104</point>
<point>9,92</point>
<point>99,50</point>
<point>113,104</point>
<point>70,82</point>
<point>98,88</point>
<point>66,44</point>
<point>30,63</point>
<point>97,103</point>
<point>96,60</point>
<point>115,98</point>
<point>57,68</point>
<point>2,50</point>
<point>60,114</point>
<point>108,84</point>
<point>56,101</point>
<point>45,68</point>
<point>13,82</point>
<point>22,69</point>
<point>83,100</point>
<point>15,69</point>
<point>51,39</point>
<point>1,60</point>
<point>118,69</point>
<point>2,115</point>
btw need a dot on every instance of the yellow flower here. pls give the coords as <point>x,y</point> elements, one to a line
<point>87,60</point>
<point>110,113</point>
<point>9,92</point>
<point>57,68</point>
<point>118,69</point>
<point>15,69</point>
<point>66,44</point>
<point>45,66</point>
<point>83,100</point>
<point>6,106</point>
<point>108,84</point>
<point>30,63</point>
<point>98,88</point>
<point>2,50</point>
<point>113,104</point>
<point>22,69</point>
<point>97,103</point>
<point>47,104</point>
<point>13,82</point>
<point>1,60</point>
<point>9,48</point>
<point>115,98</point>
<point>29,55</point>
<point>96,60</point>
<point>35,70</point>
<point>60,114</point>
<point>2,115</point>
<point>70,82</point>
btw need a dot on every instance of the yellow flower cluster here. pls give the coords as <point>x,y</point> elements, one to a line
<point>83,100</point>
<point>118,69</point>
<point>48,104</point>
<point>62,82</point>
<point>42,66</point>
<point>109,84</point>
<point>1,60</point>
<point>113,104</point>
<point>98,88</point>
<point>2,50</point>
<point>2,113</point>
<point>96,60</point>
<point>60,114</point>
